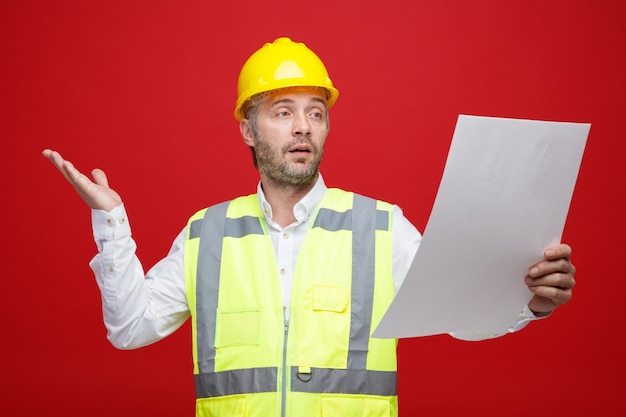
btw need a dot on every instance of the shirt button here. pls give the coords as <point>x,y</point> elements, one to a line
<point>282,271</point>
<point>110,222</point>
<point>110,268</point>
<point>122,220</point>
<point>285,236</point>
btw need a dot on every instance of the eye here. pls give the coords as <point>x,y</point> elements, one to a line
<point>282,113</point>
<point>317,114</point>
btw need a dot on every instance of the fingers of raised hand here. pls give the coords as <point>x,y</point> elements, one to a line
<point>100,177</point>
<point>65,167</point>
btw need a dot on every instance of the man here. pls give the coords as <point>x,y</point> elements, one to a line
<point>283,287</point>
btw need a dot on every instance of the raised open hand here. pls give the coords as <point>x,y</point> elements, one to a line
<point>96,193</point>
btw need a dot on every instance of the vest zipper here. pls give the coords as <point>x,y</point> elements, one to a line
<point>284,372</point>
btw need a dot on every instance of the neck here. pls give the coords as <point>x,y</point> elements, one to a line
<point>283,198</point>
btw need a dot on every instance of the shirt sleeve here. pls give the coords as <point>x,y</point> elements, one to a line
<point>138,309</point>
<point>406,241</point>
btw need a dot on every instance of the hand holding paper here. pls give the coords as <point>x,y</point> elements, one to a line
<point>503,199</point>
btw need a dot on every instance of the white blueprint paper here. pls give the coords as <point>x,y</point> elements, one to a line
<point>503,198</point>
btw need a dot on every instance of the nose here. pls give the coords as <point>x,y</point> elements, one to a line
<point>301,125</point>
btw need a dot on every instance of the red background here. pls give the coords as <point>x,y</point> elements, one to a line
<point>146,89</point>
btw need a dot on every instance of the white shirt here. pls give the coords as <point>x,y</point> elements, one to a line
<point>141,308</point>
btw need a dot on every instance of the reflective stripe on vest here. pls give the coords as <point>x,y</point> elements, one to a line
<point>363,220</point>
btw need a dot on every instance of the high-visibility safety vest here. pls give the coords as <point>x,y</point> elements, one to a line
<point>247,360</point>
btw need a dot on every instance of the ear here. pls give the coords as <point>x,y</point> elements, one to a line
<point>246,132</point>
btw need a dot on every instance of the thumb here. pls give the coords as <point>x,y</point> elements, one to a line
<point>100,178</point>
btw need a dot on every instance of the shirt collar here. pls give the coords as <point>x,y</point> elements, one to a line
<point>303,208</point>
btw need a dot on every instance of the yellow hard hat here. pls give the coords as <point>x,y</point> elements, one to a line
<point>282,63</point>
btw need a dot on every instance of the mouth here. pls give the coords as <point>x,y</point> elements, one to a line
<point>299,149</point>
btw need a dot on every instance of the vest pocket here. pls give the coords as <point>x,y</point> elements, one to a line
<point>330,297</point>
<point>232,406</point>
<point>238,327</point>
<point>345,405</point>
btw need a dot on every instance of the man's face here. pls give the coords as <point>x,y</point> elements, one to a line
<point>291,128</point>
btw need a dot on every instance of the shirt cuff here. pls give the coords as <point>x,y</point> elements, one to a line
<point>110,225</point>
<point>525,317</point>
